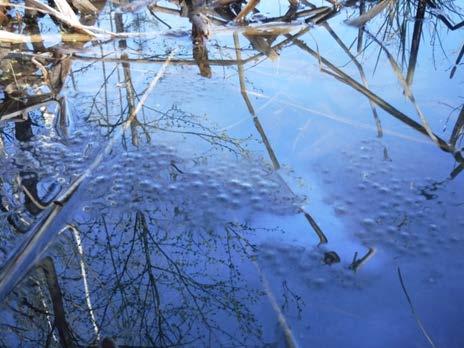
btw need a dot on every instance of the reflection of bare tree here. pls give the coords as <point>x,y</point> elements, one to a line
<point>171,283</point>
<point>56,297</point>
<point>130,91</point>
<point>157,270</point>
<point>202,301</point>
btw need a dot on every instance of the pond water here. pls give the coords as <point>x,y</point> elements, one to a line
<point>274,185</point>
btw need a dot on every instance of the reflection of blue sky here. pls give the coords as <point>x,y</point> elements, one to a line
<point>364,191</point>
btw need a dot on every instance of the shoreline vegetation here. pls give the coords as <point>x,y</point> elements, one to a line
<point>24,45</point>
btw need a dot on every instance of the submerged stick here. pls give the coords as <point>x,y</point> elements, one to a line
<point>267,144</point>
<point>290,341</point>
<point>419,322</point>
<point>243,91</point>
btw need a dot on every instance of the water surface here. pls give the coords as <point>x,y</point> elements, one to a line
<point>298,184</point>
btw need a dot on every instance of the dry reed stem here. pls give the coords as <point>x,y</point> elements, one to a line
<point>407,89</point>
<point>250,6</point>
<point>374,11</point>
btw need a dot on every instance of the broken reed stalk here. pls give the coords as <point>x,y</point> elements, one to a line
<point>34,246</point>
<point>348,80</point>
<point>12,111</point>
<point>84,7</point>
<point>6,36</point>
<point>356,264</point>
<point>322,238</point>
<point>314,13</point>
<point>374,11</point>
<point>361,74</point>
<point>407,89</point>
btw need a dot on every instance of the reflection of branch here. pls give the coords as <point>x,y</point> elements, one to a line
<point>88,301</point>
<point>30,251</point>
<point>2,145</point>
<point>458,60</point>
<point>457,171</point>
<point>57,300</point>
<point>362,9</point>
<point>449,24</point>
<point>118,275</point>
<point>142,225</point>
<point>128,85</point>
<point>189,284</point>
<point>416,37</point>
